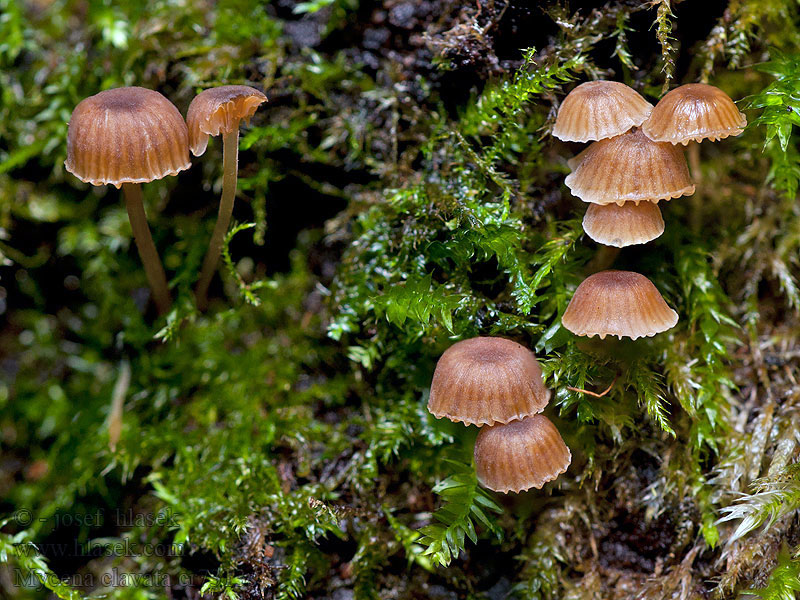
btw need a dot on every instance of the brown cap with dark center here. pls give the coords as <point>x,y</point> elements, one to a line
<point>696,111</point>
<point>596,110</point>
<point>218,111</point>
<point>625,225</point>
<point>487,380</point>
<point>629,168</point>
<point>520,455</point>
<point>620,303</point>
<point>126,135</point>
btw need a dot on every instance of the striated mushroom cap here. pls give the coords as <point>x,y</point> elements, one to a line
<point>520,455</point>
<point>487,380</point>
<point>629,168</point>
<point>695,111</point>
<point>126,135</point>
<point>218,111</point>
<point>625,225</point>
<point>576,160</point>
<point>620,303</point>
<point>596,110</point>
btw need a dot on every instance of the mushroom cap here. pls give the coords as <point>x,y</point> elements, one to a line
<point>218,111</point>
<point>596,110</point>
<point>625,225</point>
<point>695,111</point>
<point>576,160</point>
<point>487,380</point>
<point>629,168</point>
<point>520,455</point>
<point>620,303</point>
<point>126,135</point>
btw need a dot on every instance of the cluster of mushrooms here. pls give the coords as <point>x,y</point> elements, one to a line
<point>131,135</point>
<point>497,384</point>
<point>632,164</point>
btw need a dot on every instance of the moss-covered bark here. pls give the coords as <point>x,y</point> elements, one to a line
<point>399,191</point>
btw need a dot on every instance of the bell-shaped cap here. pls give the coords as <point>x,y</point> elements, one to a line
<point>126,135</point>
<point>218,111</point>
<point>520,455</point>
<point>596,110</point>
<point>629,168</point>
<point>487,380</point>
<point>696,111</point>
<point>576,160</point>
<point>625,225</point>
<point>620,303</point>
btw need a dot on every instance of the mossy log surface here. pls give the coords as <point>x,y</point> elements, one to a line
<point>399,191</point>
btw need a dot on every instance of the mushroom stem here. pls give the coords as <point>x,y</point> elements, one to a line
<point>230,166</point>
<point>603,258</point>
<point>696,219</point>
<point>147,249</point>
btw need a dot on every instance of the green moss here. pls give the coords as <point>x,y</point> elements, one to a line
<point>283,435</point>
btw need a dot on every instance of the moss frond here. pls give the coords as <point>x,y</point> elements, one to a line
<point>465,505</point>
<point>664,24</point>
<point>772,499</point>
<point>783,582</point>
<point>19,551</point>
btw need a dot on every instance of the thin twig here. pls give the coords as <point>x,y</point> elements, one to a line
<point>595,394</point>
<point>117,404</point>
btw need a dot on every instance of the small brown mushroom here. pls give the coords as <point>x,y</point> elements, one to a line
<point>626,225</point>
<point>520,455</point>
<point>695,111</point>
<point>596,110</point>
<point>487,380</point>
<point>124,137</point>
<point>629,168</point>
<point>219,111</point>
<point>618,303</point>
